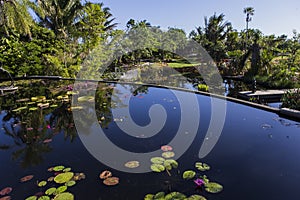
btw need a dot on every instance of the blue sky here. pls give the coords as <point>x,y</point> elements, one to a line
<point>271,16</point>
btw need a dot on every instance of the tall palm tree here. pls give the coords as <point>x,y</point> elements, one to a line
<point>15,17</point>
<point>249,11</point>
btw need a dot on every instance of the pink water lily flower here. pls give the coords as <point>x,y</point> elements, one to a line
<point>199,182</point>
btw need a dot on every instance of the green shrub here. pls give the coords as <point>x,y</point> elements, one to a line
<point>291,99</point>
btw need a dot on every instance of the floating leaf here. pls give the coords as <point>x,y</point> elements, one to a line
<point>175,195</point>
<point>42,183</point>
<point>70,183</point>
<point>171,162</point>
<point>166,148</point>
<point>64,177</point>
<point>54,106</point>
<point>86,98</point>
<point>157,160</point>
<point>132,164</point>
<point>168,154</point>
<point>196,197</point>
<point>157,168</point>
<point>47,141</point>
<point>105,174</point>
<point>67,169</point>
<point>50,191</point>
<point>5,198</point>
<point>213,187</point>
<point>189,174</point>
<point>33,109</point>
<point>5,191</point>
<point>64,196</point>
<point>58,168</point>
<point>61,189</point>
<point>149,197</point>
<point>50,179</point>
<point>26,178</point>
<point>202,166</point>
<point>34,98</point>
<point>159,195</point>
<point>111,181</point>
<point>44,198</point>
<point>31,198</point>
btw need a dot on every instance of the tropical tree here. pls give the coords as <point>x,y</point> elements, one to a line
<point>213,36</point>
<point>14,17</point>
<point>249,11</point>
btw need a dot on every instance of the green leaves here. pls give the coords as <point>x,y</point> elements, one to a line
<point>202,166</point>
<point>189,174</point>
<point>213,187</point>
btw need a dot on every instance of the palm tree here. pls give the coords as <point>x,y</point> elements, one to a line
<point>249,11</point>
<point>14,17</point>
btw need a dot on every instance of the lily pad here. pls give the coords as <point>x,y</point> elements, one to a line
<point>64,177</point>
<point>157,168</point>
<point>61,189</point>
<point>70,183</point>
<point>31,198</point>
<point>5,191</point>
<point>159,195</point>
<point>44,198</point>
<point>33,109</point>
<point>196,197</point>
<point>42,183</point>
<point>168,154</point>
<point>202,166</point>
<point>5,198</point>
<point>58,168</point>
<point>171,162</point>
<point>67,169</point>
<point>189,174</point>
<point>111,181</point>
<point>86,99</point>
<point>26,178</point>
<point>166,148</point>
<point>157,160</point>
<point>149,197</point>
<point>132,164</point>
<point>213,187</point>
<point>105,174</point>
<point>50,179</point>
<point>50,191</point>
<point>175,195</point>
<point>64,196</point>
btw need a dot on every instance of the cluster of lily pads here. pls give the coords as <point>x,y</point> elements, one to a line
<point>5,191</point>
<point>160,164</point>
<point>173,195</point>
<point>108,179</point>
<point>211,187</point>
<point>63,178</point>
<point>164,163</point>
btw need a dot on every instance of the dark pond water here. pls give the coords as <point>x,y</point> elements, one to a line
<point>256,156</point>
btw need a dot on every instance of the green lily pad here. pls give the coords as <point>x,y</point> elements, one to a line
<point>61,189</point>
<point>157,168</point>
<point>86,98</point>
<point>34,98</point>
<point>171,162</point>
<point>189,174</point>
<point>64,177</point>
<point>202,166</point>
<point>33,109</point>
<point>64,196</point>
<point>70,183</point>
<point>213,187</point>
<point>50,191</point>
<point>58,168</point>
<point>20,109</point>
<point>196,197</point>
<point>175,195</point>
<point>159,195</point>
<point>168,154</point>
<point>44,198</point>
<point>31,198</point>
<point>67,169</point>
<point>42,183</point>
<point>149,197</point>
<point>157,160</point>
<point>54,106</point>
